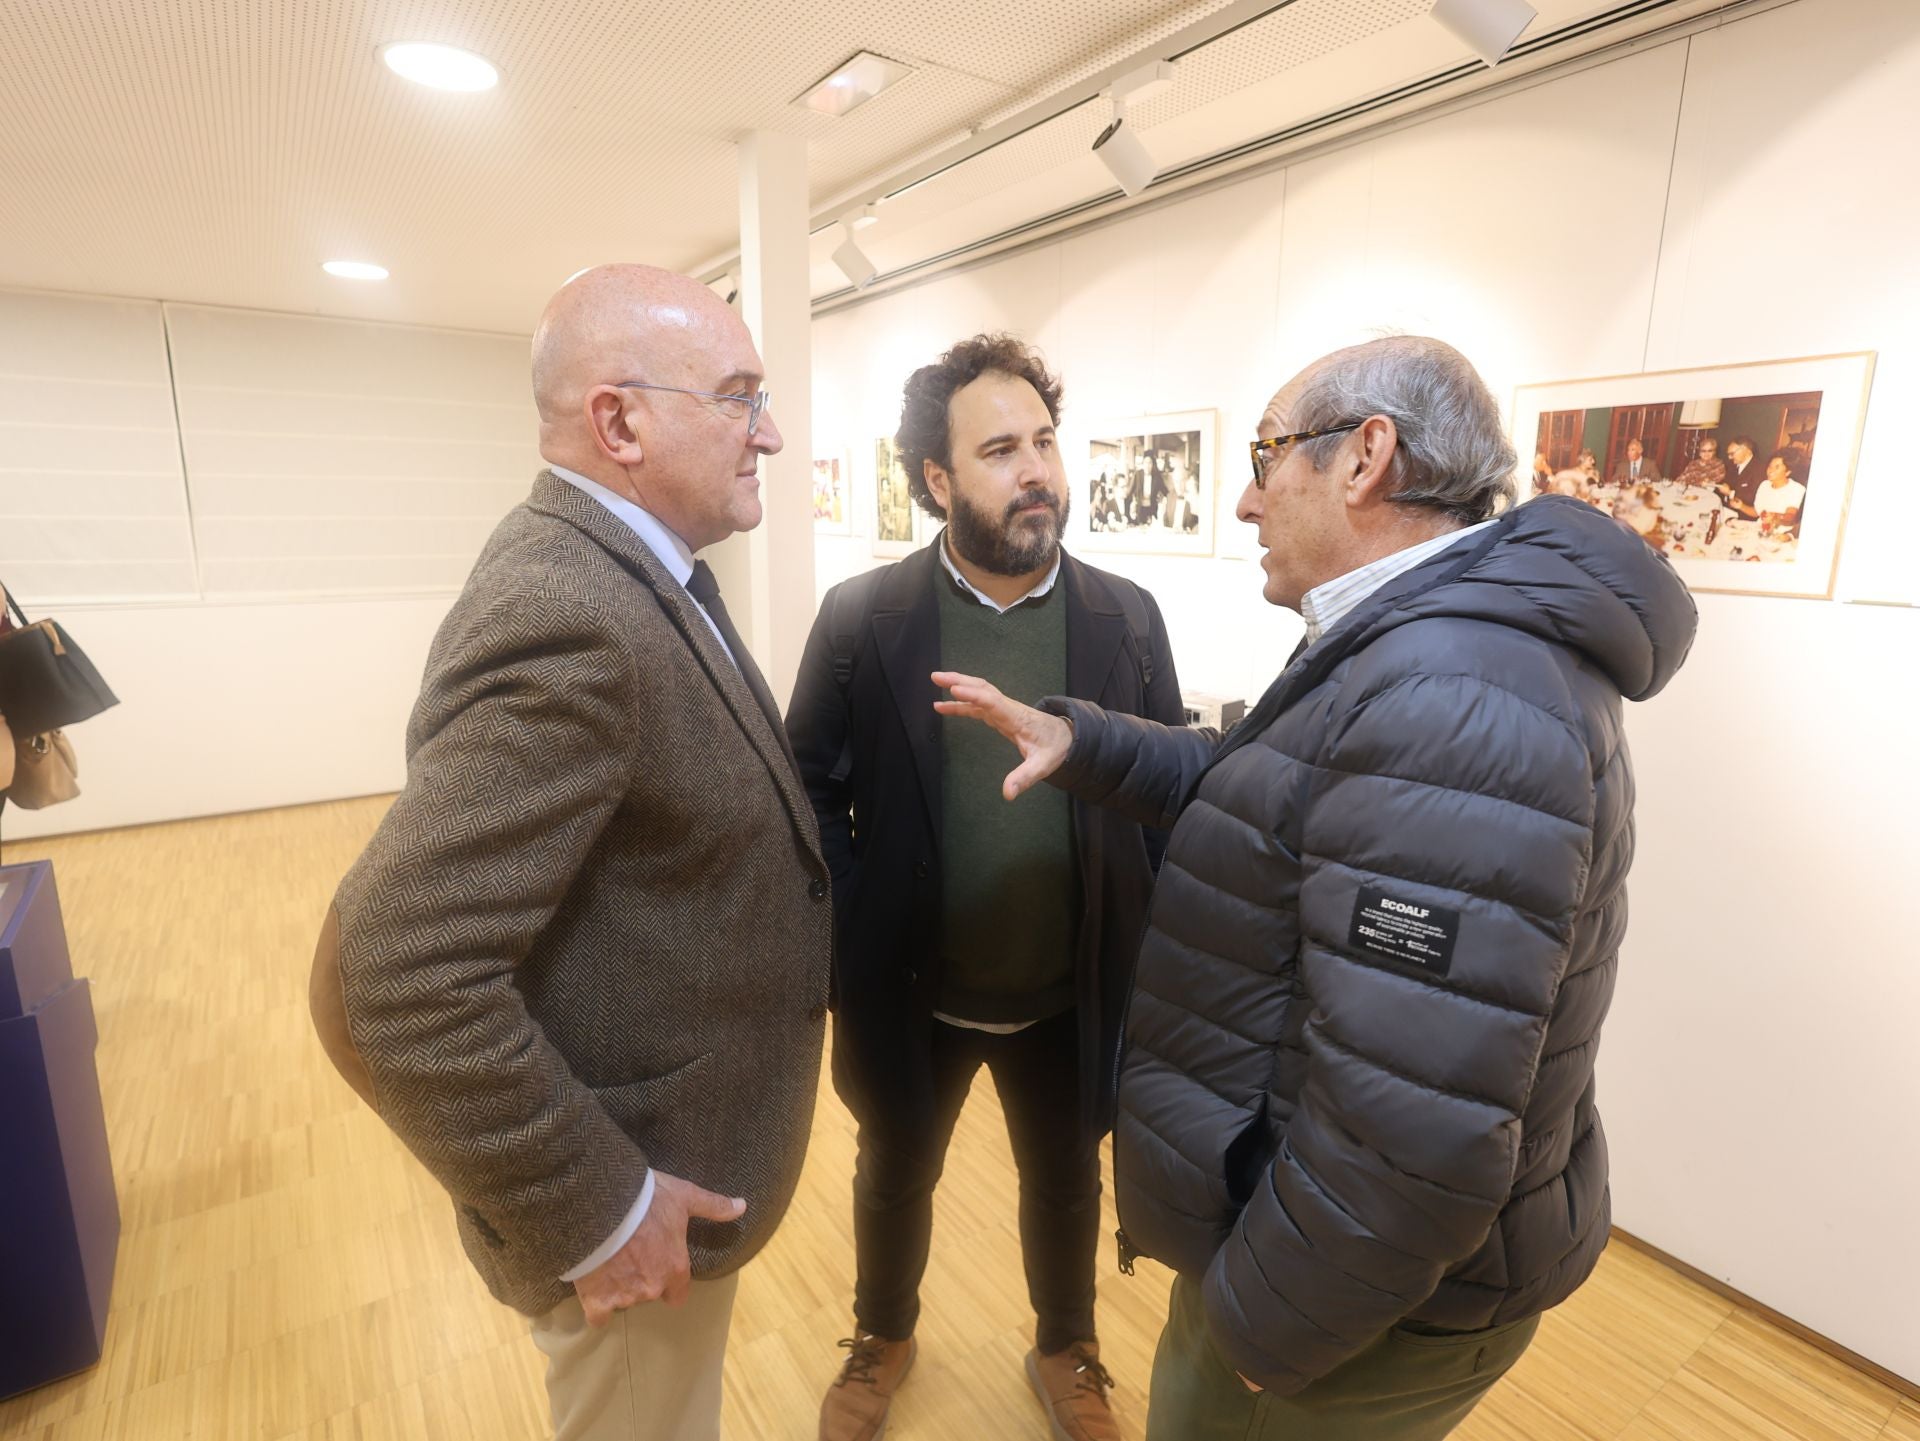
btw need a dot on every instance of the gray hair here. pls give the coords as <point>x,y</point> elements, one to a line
<point>1453,455</point>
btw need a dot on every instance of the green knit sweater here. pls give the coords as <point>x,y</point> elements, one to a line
<point>1010,886</point>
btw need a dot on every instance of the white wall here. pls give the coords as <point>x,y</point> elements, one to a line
<point>1759,1081</point>
<point>230,707</point>
<point>264,613</point>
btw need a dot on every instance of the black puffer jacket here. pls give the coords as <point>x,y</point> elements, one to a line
<point>1359,1080</point>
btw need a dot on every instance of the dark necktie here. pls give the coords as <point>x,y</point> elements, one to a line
<point>704,588</point>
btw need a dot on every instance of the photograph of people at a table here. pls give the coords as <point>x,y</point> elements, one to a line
<point>1718,479</point>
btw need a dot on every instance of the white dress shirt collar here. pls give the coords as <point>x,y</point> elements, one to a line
<point>1045,584</point>
<point>671,551</point>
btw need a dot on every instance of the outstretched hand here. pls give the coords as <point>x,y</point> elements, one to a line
<point>1042,739</point>
<point>653,1265</point>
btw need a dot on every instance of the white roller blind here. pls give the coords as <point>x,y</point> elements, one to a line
<point>329,457</point>
<point>92,505</point>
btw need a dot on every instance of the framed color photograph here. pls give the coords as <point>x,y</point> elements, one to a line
<point>1149,485</point>
<point>1740,474</point>
<point>897,521</point>
<point>832,495</point>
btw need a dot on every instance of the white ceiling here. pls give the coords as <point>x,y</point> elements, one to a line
<point>218,150</point>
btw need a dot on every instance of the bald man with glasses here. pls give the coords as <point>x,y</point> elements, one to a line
<point>582,969</point>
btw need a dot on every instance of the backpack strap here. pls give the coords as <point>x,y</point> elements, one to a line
<point>1139,624</point>
<point>849,609</point>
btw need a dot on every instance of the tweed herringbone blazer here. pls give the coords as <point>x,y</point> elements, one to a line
<point>593,934</point>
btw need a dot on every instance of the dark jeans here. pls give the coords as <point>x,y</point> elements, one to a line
<point>1408,1385</point>
<point>1037,1073</point>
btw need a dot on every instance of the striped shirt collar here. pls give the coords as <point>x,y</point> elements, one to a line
<point>1325,606</point>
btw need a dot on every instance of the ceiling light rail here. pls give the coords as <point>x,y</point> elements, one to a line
<point>1130,81</point>
<point>1204,31</point>
<point>1086,211</point>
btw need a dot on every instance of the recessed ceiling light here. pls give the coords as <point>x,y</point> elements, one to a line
<point>853,83</point>
<point>440,66</point>
<point>355,270</point>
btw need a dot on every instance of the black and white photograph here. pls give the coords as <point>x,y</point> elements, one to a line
<point>1150,485</point>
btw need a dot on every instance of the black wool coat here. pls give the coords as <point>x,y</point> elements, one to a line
<point>869,753</point>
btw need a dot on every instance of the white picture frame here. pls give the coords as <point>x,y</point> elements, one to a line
<point>1809,412</point>
<point>1147,484</point>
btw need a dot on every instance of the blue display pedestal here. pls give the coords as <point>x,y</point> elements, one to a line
<point>59,1217</point>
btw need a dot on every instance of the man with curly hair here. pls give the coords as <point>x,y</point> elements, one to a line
<point>972,932</point>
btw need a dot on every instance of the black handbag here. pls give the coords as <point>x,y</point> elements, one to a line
<point>46,681</point>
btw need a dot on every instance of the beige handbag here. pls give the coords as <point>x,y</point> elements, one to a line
<point>45,772</point>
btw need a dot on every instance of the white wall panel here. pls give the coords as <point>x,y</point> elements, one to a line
<point>1759,1078</point>
<point>431,432</point>
<point>1523,230</point>
<point>92,503</point>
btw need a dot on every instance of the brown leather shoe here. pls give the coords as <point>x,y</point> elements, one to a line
<point>856,1404</point>
<point>1073,1386</point>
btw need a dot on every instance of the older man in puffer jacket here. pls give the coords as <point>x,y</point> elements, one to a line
<point>1357,1107</point>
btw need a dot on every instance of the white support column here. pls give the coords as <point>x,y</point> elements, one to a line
<point>770,569</point>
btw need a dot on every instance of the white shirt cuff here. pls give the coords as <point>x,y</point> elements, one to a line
<point>622,1234</point>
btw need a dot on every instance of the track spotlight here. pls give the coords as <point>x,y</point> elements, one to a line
<point>1119,148</point>
<point>853,261</point>
<point>1486,27</point>
<point>1124,154</point>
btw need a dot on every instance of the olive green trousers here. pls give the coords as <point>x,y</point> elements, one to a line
<point>1408,1385</point>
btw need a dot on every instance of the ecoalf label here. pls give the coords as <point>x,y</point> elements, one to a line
<point>1404,930</point>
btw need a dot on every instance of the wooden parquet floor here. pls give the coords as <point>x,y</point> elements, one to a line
<point>287,1271</point>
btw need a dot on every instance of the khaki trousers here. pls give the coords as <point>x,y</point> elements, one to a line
<point>651,1374</point>
<point>1406,1386</point>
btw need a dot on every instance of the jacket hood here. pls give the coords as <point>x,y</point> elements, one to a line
<point>1559,569</point>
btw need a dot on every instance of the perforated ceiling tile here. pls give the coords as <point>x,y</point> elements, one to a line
<point>219,150</point>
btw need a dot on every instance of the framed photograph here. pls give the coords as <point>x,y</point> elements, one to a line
<point>832,495</point>
<point>1741,474</point>
<point>897,521</point>
<point>1149,485</point>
